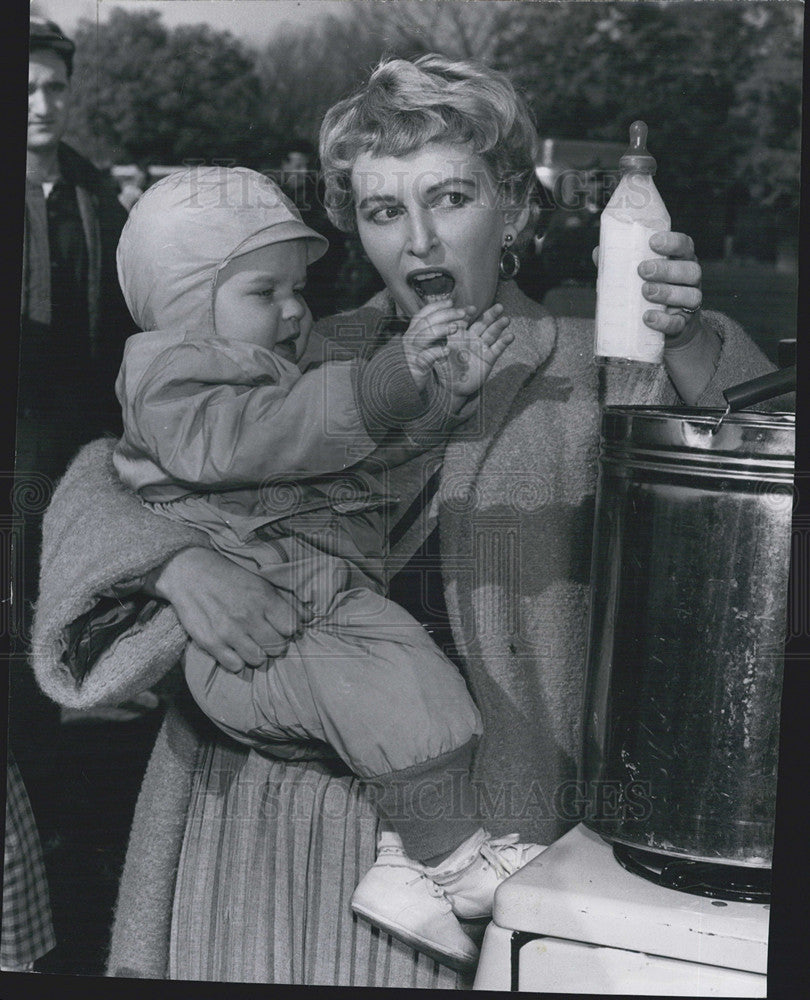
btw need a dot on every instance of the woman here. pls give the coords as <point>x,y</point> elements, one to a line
<point>241,867</point>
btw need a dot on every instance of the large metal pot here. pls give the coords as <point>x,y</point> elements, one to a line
<point>687,629</point>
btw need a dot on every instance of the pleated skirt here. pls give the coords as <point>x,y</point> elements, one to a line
<point>271,854</point>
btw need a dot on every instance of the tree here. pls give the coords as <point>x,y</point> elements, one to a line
<point>305,70</point>
<point>144,92</point>
<point>719,84</point>
<point>591,69</point>
<point>767,111</point>
<point>411,28</point>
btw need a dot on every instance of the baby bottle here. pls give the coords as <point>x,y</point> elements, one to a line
<point>634,212</point>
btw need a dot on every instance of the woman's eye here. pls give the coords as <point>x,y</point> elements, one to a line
<point>266,293</point>
<point>453,199</point>
<point>386,214</point>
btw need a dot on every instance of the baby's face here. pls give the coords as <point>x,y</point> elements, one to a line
<point>258,299</point>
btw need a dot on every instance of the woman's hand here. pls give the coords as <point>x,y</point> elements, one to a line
<point>673,282</point>
<point>472,353</point>
<point>425,340</point>
<point>235,615</point>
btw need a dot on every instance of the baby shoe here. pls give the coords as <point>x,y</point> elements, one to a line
<point>397,896</point>
<point>476,868</point>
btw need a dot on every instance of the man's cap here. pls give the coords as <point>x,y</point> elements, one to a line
<point>47,34</point>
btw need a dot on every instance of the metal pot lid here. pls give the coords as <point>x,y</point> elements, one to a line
<point>747,433</point>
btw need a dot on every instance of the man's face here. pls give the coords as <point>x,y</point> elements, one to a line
<point>48,99</point>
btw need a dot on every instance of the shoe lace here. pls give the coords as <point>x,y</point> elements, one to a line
<point>505,854</point>
<point>432,887</point>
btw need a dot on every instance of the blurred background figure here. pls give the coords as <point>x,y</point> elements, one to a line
<point>73,317</point>
<point>298,176</point>
<point>133,186</point>
<point>300,179</point>
<point>74,320</point>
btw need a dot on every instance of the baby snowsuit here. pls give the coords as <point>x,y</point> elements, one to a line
<point>284,466</point>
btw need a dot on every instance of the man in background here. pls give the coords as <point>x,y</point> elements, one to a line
<point>73,317</point>
<point>73,326</point>
<point>74,320</point>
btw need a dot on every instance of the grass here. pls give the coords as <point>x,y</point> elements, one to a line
<point>760,298</point>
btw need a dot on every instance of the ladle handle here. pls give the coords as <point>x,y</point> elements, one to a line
<point>765,387</point>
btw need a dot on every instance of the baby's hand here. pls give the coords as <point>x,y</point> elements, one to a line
<point>472,353</point>
<point>425,340</point>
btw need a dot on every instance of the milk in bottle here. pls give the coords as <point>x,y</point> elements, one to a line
<point>635,211</point>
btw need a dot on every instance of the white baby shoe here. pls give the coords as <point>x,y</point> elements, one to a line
<point>476,868</point>
<point>397,896</point>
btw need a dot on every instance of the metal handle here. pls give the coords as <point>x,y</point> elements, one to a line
<point>765,387</point>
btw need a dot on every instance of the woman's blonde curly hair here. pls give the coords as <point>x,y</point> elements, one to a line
<point>406,105</point>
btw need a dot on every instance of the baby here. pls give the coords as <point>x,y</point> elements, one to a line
<point>241,421</point>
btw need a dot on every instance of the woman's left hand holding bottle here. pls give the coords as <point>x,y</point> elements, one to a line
<point>673,280</point>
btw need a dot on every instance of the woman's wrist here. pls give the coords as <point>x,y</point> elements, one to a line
<point>691,363</point>
<point>692,330</point>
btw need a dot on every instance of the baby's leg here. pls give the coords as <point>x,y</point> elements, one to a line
<point>364,678</point>
<point>367,680</point>
<point>236,703</point>
<point>400,714</point>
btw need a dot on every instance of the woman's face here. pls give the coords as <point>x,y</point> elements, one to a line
<point>432,225</point>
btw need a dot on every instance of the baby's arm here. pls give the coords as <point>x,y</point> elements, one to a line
<point>225,425</point>
<point>406,407</point>
<point>466,363</point>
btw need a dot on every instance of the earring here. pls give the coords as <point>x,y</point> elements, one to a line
<point>509,264</point>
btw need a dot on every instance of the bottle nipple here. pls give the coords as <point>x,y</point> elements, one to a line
<point>636,158</point>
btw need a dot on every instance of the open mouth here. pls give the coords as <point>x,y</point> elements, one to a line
<point>432,285</point>
<point>288,347</point>
<point>291,340</point>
